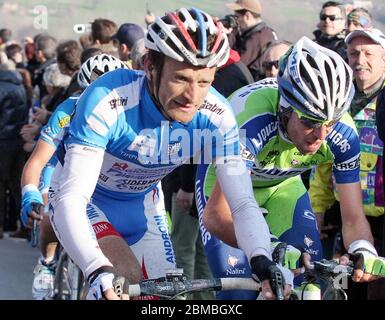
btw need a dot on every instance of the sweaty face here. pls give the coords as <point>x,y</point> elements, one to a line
<point>183,88</point>
<point>367,59</point>
<point>306,139</point>
<point>331,21</point>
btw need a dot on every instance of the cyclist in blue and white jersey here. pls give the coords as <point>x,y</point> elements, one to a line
<point>41,164</point>
<point>129,130</point>
<point>293,124</point>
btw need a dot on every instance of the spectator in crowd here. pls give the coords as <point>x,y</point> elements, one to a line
<point>138,52</point>
<point>85,40</point>
<point>235,70</point>
<point>31,62</point>
<point>127,35</point>
<point>56,84</point>
<point>68,59</point>
<point>88,53</point>
<point>15,53</point>
<point>102,31</point>
<point>45,54</point>
<point>359,18</point>
<point>331,28</point>
<point>5,38</point>
<point>270,59</point>
<point>366,56</point>
<point>13,115</point>
<point>252,36</point>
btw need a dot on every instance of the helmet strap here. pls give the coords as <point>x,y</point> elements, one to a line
<point>155,83</point>
<point>283,119</point>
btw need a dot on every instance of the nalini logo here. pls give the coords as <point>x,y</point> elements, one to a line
<point>309,242</point>
<point>234,270</point>
<point>232,261</point>
<point>294,162</point>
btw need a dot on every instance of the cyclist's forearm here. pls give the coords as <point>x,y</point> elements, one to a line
<point>354,223</point>
<point>74,231</point>
<point>217,217</point>
<point>250,227</point>
<point>36,162</point>
<point>79,177</point>
<point>31,173</point>
<point>359,230</point>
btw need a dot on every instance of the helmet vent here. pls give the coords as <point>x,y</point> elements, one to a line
<point>305,76</point>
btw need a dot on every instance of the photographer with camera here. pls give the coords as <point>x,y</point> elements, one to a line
<point>250,36</point>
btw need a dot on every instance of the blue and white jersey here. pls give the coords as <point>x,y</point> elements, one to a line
<point>58,124</point>
<point>53,133</point>
<point>117,114</point>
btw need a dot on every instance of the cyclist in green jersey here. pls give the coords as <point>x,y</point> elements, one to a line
<point>291,126</point>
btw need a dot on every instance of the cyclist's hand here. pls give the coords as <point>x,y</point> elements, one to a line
<point>368,266</point>
<point>103,283</point>
<point>274,278</point>
<point>284,254</point>
<point>27,214</point>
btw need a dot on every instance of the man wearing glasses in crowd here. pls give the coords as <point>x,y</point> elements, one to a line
<point>270,59</point>
<point>331,28</point>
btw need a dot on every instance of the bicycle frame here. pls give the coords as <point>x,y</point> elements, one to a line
<point>69,281</point>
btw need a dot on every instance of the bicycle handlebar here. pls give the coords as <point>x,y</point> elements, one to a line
<point>170,289</point>
<point>172,286</point>
<point>328,268</point>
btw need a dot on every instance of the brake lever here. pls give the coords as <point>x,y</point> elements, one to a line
<point>277,282</point>
<point>34,238</point>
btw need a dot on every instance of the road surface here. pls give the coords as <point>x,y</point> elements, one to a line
<point>17,260</point>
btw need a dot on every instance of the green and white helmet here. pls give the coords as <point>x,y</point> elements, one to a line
<point>315,81</point>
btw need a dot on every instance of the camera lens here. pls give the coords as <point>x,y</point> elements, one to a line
<point>229,21</point>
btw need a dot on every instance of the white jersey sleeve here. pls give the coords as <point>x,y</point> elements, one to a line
<point>251,229</point>
<point>69,218</point>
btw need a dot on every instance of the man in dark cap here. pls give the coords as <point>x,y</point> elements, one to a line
<point>127,35</point>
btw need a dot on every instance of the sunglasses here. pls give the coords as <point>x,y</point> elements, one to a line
<point>315,124</point>
<point>268,65</point>
<point>332,17</point>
